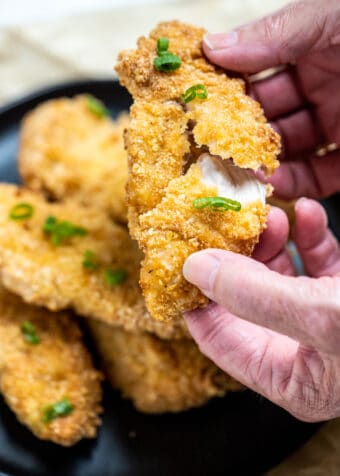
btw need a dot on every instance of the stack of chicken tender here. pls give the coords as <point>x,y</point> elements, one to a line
<point>67,259</point>
<point>74,167</point>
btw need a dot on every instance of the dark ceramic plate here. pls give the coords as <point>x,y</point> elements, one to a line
<point>241,434</point>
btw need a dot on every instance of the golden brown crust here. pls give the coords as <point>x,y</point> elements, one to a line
<point>159,376</point>
<point>33,376</point>
<point>229,122</point>
<point>174,229</point>
<point>155,154</point>
<point>53,276</point>
<point>66,151</point>
<point>164,139</point>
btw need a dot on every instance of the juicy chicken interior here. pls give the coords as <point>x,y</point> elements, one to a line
<point>178,152</point>
<point>231,181</point>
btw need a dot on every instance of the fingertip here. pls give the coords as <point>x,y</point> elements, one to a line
<point>220,41</point>
<point>199,268</point>
<point>277,219</point>
<point>310,222</point>
<point>308,207</point>
<point>274,237</point>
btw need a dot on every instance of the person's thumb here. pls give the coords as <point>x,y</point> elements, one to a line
<point>305,309</point>
<point>278,39</point>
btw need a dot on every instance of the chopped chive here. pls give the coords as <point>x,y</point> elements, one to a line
<point>197,91</point>
<point>60,409</point>
<point>162,45</point>
<point>59,231</point>
<point>217,203</point>
<point>29,332</point>
<point>49,224</point>
<point>115,276</point>
<point>167,62</point>
<point>21,211</point>
<point>96,106</point>
<point>90,260</point>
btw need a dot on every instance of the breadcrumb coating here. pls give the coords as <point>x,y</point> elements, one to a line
<point>54,276</point>
<point>159,376</point>
<point>175,229</point>
<point>229,122</point>
<point>164,140</point>
<point>67,151</point>
<point>35,376</point>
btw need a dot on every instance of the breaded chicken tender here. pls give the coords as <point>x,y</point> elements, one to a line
<point>180,151</point>
<point>67,151</point>
<point>58,366</point>
<point>158,376</point>
<point>54,276</point>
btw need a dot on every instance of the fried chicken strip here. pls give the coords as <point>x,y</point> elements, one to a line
<point>54,276</point>
<point>67,151</point>
<point>35,376</point>
<point>178,152</point>
<point>158,376</point>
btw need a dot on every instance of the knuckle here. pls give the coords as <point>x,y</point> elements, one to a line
<point>324,315</point>
<point>311,392</point>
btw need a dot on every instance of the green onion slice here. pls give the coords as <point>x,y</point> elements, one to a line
<point>60,409</point>
<point>167,62</point>
<point>217,203</point>
<point>96,107</point>
<point>21,211</point>
<point>29,332</point>
<point>115,276</point>
<point>162,45</point>
<point>197,91</point>
<point>59,231</point>
<point>90,261</point>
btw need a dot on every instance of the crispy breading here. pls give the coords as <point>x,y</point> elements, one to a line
<point>165,139</point>
<point>158,376</point>
<point>229,122</point>
<point>67,151</point>
<point>174,229</point>
<point>54,277</point>
<point>35,376</point>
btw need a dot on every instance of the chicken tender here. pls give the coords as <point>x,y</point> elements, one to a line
<point>53,368</point>
<point>69,151</point>
<point>158,376</point>
<point>184,146</point>
<point>58,276</point>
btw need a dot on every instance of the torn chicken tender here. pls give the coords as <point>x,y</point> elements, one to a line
<point>67,151</point>
<point>59,366</point>
<point>175,229</point>
<point>230,123</point>
<point>54,276</point>
<point>158,376</point>
<point>178,152</point>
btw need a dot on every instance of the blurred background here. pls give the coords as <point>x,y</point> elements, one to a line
<point>44,43</point>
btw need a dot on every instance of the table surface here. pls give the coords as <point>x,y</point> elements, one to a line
<point>70,39</point>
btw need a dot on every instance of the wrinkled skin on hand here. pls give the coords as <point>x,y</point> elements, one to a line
<point>274,332</point>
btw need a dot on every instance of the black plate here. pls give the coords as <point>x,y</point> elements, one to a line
<point>241,434</point>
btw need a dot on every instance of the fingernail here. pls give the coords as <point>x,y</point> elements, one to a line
<point>200,269</point>
<point>220,41</point>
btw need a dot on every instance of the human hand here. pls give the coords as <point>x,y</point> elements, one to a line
<point>302,102</point>
<point>276,333</point>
